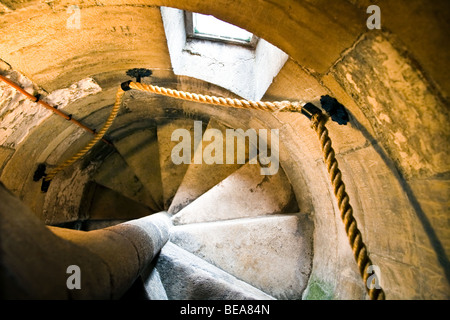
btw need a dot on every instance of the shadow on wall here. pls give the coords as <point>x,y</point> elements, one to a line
<point>425,222</point>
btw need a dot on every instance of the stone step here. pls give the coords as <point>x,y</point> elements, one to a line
<point>140,151</point>
<point>115,174</point>
<point>148,286</point>
<point>209,174</point>
<point>153,286</point>
<point>271,253</point>
<point>187,277</point>
<point>245,193</point>
<point>172,174</point>
<point>107,204</point>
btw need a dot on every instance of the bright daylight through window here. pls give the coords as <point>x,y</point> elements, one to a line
<point>212,28</point>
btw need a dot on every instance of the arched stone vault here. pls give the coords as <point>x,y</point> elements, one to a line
<point>393,153</point>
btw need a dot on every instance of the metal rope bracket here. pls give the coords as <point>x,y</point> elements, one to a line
<point>40,172</point>
<point>334,109</point>
<point>318,120</point>
<point>139,73</point>
<point>313,113</point>
<point>309,110</point>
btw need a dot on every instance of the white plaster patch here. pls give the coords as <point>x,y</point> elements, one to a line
<point>376,106</point>
<point>400,137</point>
<point>350,80</point>
<point>385,117</point>
<point>81,89</point>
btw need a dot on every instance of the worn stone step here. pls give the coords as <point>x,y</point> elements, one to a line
<point>171,173</point>
<point>153,286</point>
<point>187,277</point>
<point>140,151</point>
<point>272,253</point>
<point>115,174</point>
<point>209,174</point>
<point>148,286</point>
<point>245,193</point>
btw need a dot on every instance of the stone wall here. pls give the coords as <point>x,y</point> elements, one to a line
<point>393,153</point>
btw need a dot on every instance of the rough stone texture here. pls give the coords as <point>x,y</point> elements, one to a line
<point>4,8</point>
<point>324,40</point>
<point>407,116</point>
<point>12,5</point>
<point>321,43</point>
<point>271,253</point>
<point>19,115</point>
<point>61,142</point>
<point>68,197</point>
<point>425,21</point>
<point>210,175</point>
<point>57,142</point>
<point>363,132</point>
<point>187,277</point>
<point>63,97</point>
<point>245,193</point>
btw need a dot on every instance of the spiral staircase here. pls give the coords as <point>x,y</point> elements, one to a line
<point>236,233</point>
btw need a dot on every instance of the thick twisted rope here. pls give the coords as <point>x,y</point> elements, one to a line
<point>318,124</point>
<point>275,106</point>
<point>351,228</point>
<point>234,103</point>
<point>98,136</point>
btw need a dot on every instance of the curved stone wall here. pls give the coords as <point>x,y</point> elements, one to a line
<point>393,153</point>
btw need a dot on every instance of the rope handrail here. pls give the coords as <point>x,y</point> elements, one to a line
<point>276,106</point>
<point>115,110</point>
<point>359,249</point>
<point>318,120</point>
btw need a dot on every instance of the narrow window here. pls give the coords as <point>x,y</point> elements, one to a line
<point>207,27</point>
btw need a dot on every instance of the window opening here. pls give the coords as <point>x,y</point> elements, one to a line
<point>208,27</point>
